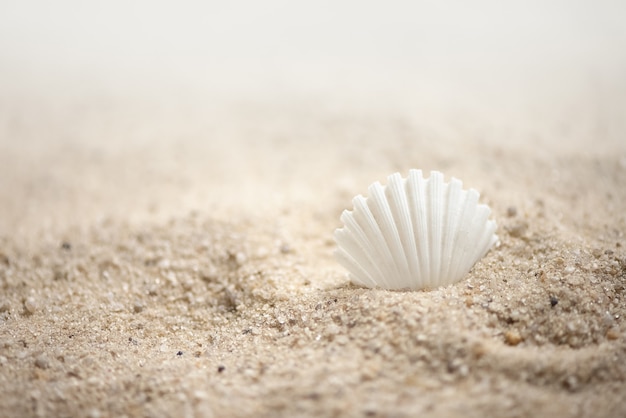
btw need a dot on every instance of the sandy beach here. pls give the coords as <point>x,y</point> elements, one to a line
<point>166,249</point>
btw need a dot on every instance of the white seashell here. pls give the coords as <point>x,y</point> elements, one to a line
<point>414,233</point>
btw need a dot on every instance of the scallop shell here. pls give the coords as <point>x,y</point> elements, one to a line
<point>414,233</point>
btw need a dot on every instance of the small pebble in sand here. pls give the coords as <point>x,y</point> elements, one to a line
<point>608,320</point>
<point>164,263</point>
<point>517,230</point>
<point>220,369</point>
<point>553,301</point>
<point>569,269</point>
<point>262,252</point>
<point>66,246</point>
<point>209,274</point>
<point>42,362</point>
<point>612,334</point>
<point>511,211</point>
<point>94,413</point>
<point>30,304</point>
<point>236,259</point>
<point>512,338</point>
<point>138,307</point>
<point>571,383</point>
<point>240,259</point>
<point>4,306</point>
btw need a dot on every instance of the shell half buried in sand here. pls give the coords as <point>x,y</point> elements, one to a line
<point>414,233</point>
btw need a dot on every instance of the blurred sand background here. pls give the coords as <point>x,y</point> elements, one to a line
<point>171,175</point>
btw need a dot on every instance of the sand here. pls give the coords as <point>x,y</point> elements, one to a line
<point>181,265</point>
<point>171,177</point>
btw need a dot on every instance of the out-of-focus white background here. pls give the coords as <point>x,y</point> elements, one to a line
<point>508,51</point>
<point>133,107</point>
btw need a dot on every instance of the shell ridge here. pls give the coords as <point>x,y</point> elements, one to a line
<point>366,219</point>
<point>456,197</point>
<point>357,272</point>
<point>382,213</point>
<point>398,203</point>
<point>347,261</point>
<point>463,233</point>
<point>358,246</point>
<point>366,252</point>
<point>485,240</point>
<point>473,248</point>
<point>415,185</point>
<point>436,189</point>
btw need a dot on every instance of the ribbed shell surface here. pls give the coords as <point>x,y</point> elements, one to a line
<point>414,233</point>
